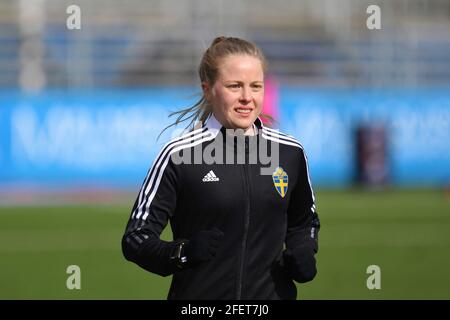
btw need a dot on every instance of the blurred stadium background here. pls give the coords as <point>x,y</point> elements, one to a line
<point>80,111</point>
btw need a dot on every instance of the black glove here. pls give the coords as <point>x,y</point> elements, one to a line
<point>300,263</point>
<point>203,246</point>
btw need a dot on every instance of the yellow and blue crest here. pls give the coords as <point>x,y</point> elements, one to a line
<point>280,181</point>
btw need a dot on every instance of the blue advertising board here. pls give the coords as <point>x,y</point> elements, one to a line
<point>109,138</point>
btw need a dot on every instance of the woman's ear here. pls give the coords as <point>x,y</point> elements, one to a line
<point>206,90</point>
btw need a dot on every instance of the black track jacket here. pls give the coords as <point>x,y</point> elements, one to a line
<point>258,213</point>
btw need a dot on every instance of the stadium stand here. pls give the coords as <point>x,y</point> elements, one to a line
<point>325,45</point>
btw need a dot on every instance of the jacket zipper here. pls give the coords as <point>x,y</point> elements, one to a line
<point>246,224</point>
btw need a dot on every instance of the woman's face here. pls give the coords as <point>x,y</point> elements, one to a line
<point>238,93</point>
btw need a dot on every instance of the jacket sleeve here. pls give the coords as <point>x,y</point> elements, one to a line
<point>155,204</point>
<point>303,220</point>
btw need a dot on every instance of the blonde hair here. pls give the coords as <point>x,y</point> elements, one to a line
<point>208,71</point>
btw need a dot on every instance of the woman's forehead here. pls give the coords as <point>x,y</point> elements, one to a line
<point>240,65</point>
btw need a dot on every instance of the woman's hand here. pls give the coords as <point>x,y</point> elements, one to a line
<point>203,246</point>
<point>300,263</point>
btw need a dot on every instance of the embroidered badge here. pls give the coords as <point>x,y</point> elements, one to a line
<point>280,181</point>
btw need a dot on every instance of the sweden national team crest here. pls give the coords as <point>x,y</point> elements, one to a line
<point>280,181</point>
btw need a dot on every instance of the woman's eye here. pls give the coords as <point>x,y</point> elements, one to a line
<point>233,86</point>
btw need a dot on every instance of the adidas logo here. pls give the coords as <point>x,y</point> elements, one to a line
<point>210,176</point>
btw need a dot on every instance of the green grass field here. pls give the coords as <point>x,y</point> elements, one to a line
<point>406,233</point>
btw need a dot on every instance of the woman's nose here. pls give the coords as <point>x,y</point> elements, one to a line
<point>246,94</point>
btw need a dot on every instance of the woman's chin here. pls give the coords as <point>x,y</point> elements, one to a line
<point>240,123</point>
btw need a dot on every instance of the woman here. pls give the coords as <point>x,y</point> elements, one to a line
<point>230,222</point>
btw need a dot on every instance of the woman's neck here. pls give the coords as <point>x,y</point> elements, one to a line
<point>250,131</point>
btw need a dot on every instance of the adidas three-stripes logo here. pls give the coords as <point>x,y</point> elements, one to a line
<point>210,176</point>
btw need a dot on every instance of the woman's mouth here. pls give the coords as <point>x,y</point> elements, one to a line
<point>243,111</point>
